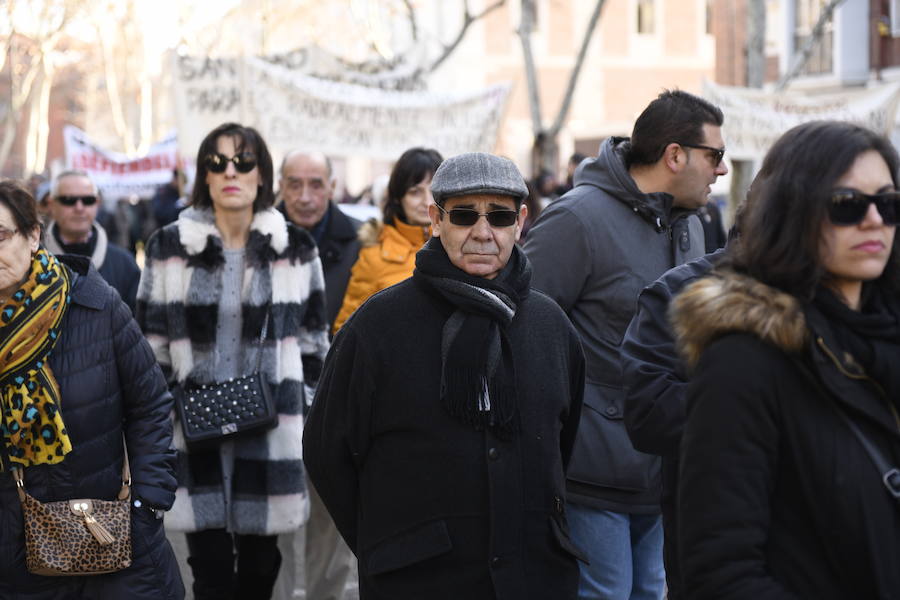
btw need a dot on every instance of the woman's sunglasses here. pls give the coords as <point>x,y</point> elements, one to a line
<point>466,217</point>
<point>849,207</point>
<point>243,162</point>
<point>73,200</point>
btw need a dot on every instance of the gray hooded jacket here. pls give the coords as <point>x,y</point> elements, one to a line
<point>593,251</point>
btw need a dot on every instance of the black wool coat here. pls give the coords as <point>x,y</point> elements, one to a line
<point>431,507</point>
<point>777,497</point>
<point>109,384</point>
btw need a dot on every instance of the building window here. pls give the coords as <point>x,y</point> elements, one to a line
<point>646,16</point>
<point>807,15</point>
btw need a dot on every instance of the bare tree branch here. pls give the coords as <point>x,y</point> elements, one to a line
<point>815,37</point>
<point>576,70</point>
<point>468,19</point>
<point>526,26</point>
<point>413,25</point>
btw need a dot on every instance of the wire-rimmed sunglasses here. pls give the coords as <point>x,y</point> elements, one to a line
<point>849,207</point>
<point>466,217</point>
<point>73,200</point>
<point>244,162</point>
<point>717,153</point>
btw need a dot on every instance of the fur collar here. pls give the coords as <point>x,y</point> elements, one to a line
<point>196,226</point>
<point>728,302</point>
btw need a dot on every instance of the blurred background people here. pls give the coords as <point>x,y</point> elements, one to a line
<point>73,205</point>
<point>165,202</point>
<point>389,249</point>
<point>307,200</point>
<point>795,344</point>
<point>210,279</point>
<point>75,374</point>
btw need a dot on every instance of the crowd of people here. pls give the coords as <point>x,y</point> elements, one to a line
<point>500,390</point>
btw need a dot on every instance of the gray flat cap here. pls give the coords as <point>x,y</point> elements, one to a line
<point>477,173</point>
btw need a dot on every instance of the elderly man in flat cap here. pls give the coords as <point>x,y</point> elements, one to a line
<point>447,410</point>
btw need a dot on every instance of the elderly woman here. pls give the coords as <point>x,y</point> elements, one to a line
<point>229,270</point>
<point>64,418</point>
<point>796,389</point>
<point>388,253</point>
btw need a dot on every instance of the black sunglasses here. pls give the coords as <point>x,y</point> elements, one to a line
<point>718,153</point>
<point>243,162</point>
<point>466,217</point>
<point>849,207</point>
<point>73,200</point>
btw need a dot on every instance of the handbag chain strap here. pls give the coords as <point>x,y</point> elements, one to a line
<point>262,338</point>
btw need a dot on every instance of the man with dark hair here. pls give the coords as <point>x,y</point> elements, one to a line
<point>72,205</point>
<point>447,411</point>
<point>306,189</point>
<point>629,218</point>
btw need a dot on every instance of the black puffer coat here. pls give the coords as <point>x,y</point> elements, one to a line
<point>109,382</point>
<point>777,497</point>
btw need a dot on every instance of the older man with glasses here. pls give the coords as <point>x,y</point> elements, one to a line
<point>447,411</point>
<point>72,206</point>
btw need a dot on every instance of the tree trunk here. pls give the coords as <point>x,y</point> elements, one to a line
<point>742,170</point>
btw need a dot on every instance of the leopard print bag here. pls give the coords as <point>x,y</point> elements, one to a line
<point>77,537</point>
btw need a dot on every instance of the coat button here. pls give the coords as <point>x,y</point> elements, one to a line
<point>611,411</point>
<point>495,562</point>
<point>493,454</point>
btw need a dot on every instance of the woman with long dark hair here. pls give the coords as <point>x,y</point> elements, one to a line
<point>794,405</point>
<point>228,288</point>
<point>389,248</point>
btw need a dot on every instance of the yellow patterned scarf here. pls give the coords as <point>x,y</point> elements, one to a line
<point>32,426</point>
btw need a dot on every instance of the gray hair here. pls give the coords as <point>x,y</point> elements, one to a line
<point>292,153</point>
<point>54,187</point>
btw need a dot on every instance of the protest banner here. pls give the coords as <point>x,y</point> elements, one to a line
<point>292,109</point>
<point>117,175</point>
<point>755,118</point>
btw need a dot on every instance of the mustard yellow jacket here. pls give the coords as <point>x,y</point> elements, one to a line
<point>387,256</point>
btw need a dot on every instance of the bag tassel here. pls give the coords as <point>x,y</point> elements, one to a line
<point>100,533</point>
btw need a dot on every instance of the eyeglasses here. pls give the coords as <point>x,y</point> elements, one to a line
<point>243,162</point>
<point>73,200</point>
<point>6,234</point>
<point>466,217</point>
<point>717,156</point>
<point>849,207</point>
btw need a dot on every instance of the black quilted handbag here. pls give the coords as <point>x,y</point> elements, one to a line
<point>214,412</point>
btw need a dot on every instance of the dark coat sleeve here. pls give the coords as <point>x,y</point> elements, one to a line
<point>335,436</point>
<point>655,379</point>
<point>576,386</point>
<point>146,404</point>
<point>729,457</point>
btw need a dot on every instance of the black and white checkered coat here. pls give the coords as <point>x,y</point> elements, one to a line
<point>177,310</point>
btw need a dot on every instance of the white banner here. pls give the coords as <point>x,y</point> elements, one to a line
<point>754,119</point>
<point>117,175</point>
<point>292,110</point>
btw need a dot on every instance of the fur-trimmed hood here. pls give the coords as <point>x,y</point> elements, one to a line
<point>728,302</point>
<point>369,232</point>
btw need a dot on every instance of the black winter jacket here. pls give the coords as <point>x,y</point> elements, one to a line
<point>109,384</point>
<point>656,385</point>
<point>777,498</point>
<point>431,507</point>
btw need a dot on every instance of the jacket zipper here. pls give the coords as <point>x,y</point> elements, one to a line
<point>840,367</point>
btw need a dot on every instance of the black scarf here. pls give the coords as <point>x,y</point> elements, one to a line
<point>871,335</point>
<point>478,381</point>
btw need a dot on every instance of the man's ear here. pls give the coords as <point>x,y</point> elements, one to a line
<point>435,213</point>
<point>674,157</point>
<point>520,220</point>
